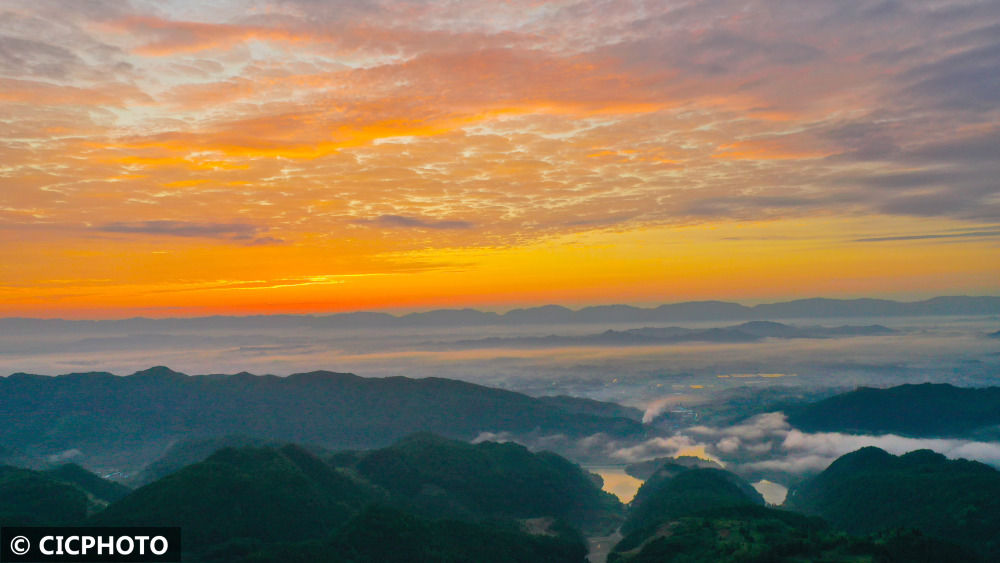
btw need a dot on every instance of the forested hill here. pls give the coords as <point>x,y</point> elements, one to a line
<point>870,490</point>
<point>424,498</point>
<point>927,409</point>
<point>101,412</point>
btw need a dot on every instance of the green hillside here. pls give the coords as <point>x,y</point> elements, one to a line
<point>446,478</point>
<point>36,498</point>
<point>265,494</point>
<point>127,418</point>
<point>870,490</point>
<point>928,409</point>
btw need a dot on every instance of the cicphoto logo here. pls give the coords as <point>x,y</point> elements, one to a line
<point>90,544</point>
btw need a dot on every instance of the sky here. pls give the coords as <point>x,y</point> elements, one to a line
<point>299,156</point>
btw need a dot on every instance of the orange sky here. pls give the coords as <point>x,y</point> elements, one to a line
<point>292,156</point>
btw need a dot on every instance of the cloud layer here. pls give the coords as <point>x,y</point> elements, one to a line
<point>335,127</point>
<point>764,447</point>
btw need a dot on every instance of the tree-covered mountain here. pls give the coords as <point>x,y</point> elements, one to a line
<point>389,535</point>
<point>286,504</point>
<point>644,470</point>
<point>103,414</point>
<point>687,514</point>
<point>440,478</point>
<point>188,452</point>
<point>34,498</point>
<point>928,409</point>
<point>690,513</point>
<point>427,498</point>
<point>63,495</point>
<point>870,490</point>
<point>101,491</point>
<point>674,491</point>
<point>749,534</point>
<point>580,405</point>
<point>255,493</point>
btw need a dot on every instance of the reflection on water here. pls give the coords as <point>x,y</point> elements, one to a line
<point>617,482</point>
<point>624,486</point>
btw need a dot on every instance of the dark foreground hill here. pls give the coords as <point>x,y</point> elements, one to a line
<point>924,410</point>
<point>33,498</point>
<point>442,478</point>
<point>101,414</point>
<point>263,493</point>
<point>870,490</point>
<point>697,514</point>
<point>499,502</point>
<point>60,496</point>
<point>675,491</point>
<point>427,498</point>
<point>387,535</point>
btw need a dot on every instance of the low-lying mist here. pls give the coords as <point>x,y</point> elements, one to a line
<point>949,349</point>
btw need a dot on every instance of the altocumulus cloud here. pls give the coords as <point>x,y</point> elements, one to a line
<point>407,222</point>
<point>240,232</point>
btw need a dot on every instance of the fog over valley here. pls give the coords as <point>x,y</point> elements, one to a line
<point>717,390</point>
<point>639,363</point>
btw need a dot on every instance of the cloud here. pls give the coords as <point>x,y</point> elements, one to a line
<point>659,406</point>
<point>764,446</point>
<point>767,446</point>
<point>227,231</point>
<point>402,221</point>
<point>47,93</point>
<point>970,234</point>
<point>64,456</point>
<point>655,447</point>
<point>966,80</point>
<point>502,124</point>
<point>30,57</point>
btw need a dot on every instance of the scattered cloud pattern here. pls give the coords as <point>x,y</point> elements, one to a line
<point>224,231</point>
<point>371,135</point>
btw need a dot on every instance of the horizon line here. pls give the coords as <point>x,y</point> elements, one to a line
<point>403,315</point>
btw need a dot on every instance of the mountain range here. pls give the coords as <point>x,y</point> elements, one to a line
<point>108,420</point>
<point>815,308</point>
<point>428,498</point>
<point>424,498</point>
<point>751,331</point>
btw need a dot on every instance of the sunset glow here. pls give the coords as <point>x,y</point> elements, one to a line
<point>173,159</point>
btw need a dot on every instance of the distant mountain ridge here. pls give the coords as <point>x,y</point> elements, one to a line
<point>554,314</point>
<point>751,331</point>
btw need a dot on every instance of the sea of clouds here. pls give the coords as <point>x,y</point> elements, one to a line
<point>765,446</point>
